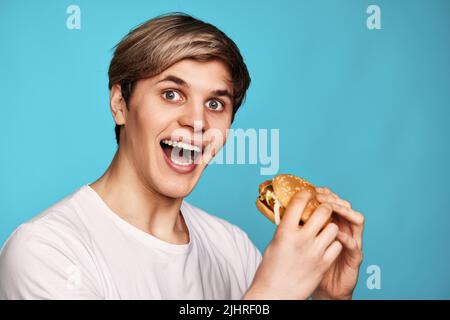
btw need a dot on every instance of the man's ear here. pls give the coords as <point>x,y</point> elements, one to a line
<point>117,105</point>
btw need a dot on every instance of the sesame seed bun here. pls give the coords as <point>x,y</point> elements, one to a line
<point>284,187</point>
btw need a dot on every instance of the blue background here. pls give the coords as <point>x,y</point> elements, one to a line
<point>365,112</point>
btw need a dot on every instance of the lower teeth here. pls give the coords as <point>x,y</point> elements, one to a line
<point>181,157</point>
<point>182,163</point>
<point>177,153</point>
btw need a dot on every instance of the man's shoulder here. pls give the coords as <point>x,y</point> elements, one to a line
<point>39,255</point>
<point>59,224</point>
<point>59,211</point>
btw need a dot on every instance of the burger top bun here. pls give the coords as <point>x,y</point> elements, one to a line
<point>286,185</point>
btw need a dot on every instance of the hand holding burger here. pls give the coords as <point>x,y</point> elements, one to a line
<point>311,254</point>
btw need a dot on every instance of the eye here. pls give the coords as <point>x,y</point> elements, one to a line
<point>171,95</point>
<point>215,105</point>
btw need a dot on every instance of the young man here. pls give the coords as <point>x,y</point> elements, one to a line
<point>130,235</point>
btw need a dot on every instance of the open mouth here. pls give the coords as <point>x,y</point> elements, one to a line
<point>180,153</point>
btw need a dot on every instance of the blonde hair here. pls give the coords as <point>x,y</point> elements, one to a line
<point>157,44</point>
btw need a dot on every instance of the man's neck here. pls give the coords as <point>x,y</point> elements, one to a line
<point>139,204</point>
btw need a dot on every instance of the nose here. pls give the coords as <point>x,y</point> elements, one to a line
<point>193,117</point>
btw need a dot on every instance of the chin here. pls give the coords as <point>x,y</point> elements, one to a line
<point>175,189</point>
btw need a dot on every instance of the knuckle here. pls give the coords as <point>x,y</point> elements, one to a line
<point>316,256</point>
<point>303,237</point>
<point>359,244</point>
<point>346,209</point>
<point>325,209</point>
<point>303,195</point>
<point>353,245</point>
<point>299,198</point>
<point>347,203</point>
<point>338,245</point>
<point>296,199</point>
<point>322,215</point>
<point>362,219</point>
<point>334,229</point>
<point>327,206</point>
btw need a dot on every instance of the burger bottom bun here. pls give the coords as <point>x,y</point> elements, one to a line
<point>265,210</point>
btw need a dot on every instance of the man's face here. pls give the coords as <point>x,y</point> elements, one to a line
<point>184,103</point>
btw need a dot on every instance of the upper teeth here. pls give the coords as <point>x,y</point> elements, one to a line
<point>181,145</point>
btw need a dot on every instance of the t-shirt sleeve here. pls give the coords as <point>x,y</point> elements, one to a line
<point>250,255</point>
<point>36,265</point>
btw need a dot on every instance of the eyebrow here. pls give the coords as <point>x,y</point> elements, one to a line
<point>175,79</point>
<point>181,82</point>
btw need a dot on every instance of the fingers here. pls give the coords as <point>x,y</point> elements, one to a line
<point>358,231</point>
<point>294,210</point>
<point>327,236</point>
<point>355,218</point>
<point>332,252</point>
<point>318,219</point>
<point>348,242</point>
<point>353,250</point>
<point>351,215</point>
<point>344,209</point>
<point>325,192</point>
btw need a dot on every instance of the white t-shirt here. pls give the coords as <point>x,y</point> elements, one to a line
<point>80,249</point>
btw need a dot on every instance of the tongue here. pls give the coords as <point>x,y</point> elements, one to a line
<point>177,154</point>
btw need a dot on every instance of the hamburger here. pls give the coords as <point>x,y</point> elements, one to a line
<point>275,194</point>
